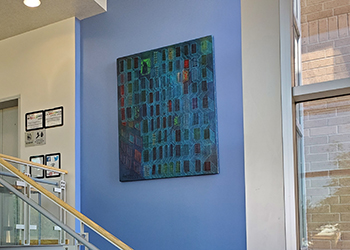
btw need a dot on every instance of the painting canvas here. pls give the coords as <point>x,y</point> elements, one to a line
<point>167,112</point>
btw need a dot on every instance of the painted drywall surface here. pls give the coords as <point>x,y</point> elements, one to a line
<point>205,212</point>
<point>263,125</point>
<point>39,68</point>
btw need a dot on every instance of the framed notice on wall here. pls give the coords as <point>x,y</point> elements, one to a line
<point>54,161</point>
<point>54,117</point>
<point>36,172</point>
<point>34,120</point>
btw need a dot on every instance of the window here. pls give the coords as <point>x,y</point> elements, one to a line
<point>325,46</point>
<point>323,142</point>
<point>321,93</point>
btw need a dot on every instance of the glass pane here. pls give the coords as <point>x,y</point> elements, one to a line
<point>13,214</point>
<point>21,224</point>
<point>325,40</point>
<point>302,203</point>
<point>10,216</point>
<point>45,232</point>
<point>324,174</point>
<point>42,230</point>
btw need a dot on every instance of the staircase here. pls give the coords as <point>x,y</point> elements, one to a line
<point>34,217</point>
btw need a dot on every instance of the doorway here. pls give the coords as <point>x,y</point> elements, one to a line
<point>9,127</point>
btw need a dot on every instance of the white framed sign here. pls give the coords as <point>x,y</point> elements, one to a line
<point>54,161</point>
<point>54,117</point>
<point>35,120</point>
<point>36,172</point>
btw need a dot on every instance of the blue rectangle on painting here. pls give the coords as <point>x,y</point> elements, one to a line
<point>167,112</point>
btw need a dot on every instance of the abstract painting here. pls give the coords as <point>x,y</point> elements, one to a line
<point>167,112</point>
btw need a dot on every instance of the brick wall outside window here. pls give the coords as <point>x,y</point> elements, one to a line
<point>327,178</point>
<point>325,40</point>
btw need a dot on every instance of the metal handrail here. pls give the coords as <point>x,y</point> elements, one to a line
<point>48,215</point>
<point>32,164</point>
<point>86,221</point>
<point>37,180</point>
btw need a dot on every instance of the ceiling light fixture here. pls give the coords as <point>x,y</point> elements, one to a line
<point>32,3</point>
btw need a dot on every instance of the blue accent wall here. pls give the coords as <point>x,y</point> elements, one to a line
<point>192,213</point>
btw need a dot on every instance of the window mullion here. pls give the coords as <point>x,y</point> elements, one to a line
<point>321,90</point>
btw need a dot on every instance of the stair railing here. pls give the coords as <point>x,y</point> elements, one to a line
<point>59,188</point>
<point>33,184</point>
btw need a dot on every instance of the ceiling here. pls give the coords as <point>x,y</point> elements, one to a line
<point>16,18</point>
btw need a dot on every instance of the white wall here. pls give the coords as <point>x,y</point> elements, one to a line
<point>263,143</point>
<point>38,67</point>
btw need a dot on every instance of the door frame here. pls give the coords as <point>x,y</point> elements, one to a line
<point>19,120</point>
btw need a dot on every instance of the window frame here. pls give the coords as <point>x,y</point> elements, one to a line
<point>298,93</point>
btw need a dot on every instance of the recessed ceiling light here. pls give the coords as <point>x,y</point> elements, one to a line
<point>32,3</point>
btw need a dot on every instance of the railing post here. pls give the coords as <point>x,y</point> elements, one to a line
<point>39,222</point>
<point>26,236</point>
<point>81,233</point>
<point>63,213</point>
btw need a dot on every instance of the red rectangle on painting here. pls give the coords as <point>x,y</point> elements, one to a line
<point>187,64</point>
<point>121,90</point>
<point>123,113</point>
<point>137,156</point>
<point>207,166</point>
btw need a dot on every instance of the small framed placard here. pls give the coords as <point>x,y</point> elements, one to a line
<point>54,117</point>
<point>53,160</point>
<point>35,120</point>
<point>35,138</point>
<point>36,172</point>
